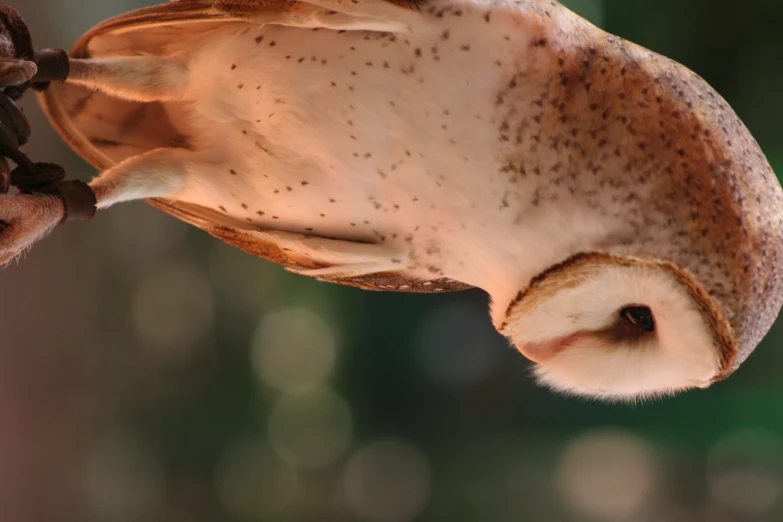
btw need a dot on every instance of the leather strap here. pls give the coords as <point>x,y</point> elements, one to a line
<point>78,198</point>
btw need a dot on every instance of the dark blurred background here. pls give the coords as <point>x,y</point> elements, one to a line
<point>151,373</point>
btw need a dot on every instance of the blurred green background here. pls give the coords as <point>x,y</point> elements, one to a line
<point>151,373</point>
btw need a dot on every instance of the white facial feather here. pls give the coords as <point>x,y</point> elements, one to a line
<point>680,354</point>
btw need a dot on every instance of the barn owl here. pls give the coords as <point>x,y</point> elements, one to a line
<point>623,221</point>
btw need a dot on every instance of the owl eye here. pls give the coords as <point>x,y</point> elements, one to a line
<point>639,316</point>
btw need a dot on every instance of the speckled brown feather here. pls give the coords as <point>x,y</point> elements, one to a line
<point>247,8</point>
<point>242,239</point>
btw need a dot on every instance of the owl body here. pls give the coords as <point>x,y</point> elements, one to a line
<point>623,221</point>
<point>349,143</point>
<point>361,135</point>
<point>413,141</point>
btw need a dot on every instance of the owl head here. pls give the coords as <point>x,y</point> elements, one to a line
<point>621,328</point>
<point>677,306</point>
<point>685,277</point>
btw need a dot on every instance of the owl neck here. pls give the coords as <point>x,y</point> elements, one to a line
<point>503,257</point>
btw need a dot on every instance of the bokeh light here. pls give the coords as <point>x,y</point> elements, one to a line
<point>607,473</point>
<point>123,479</point>
<point>310,429</point>
<point>745,471</point>
<point>387,481</point>
<point>293,349</point>
<point>253,482</point>
<point>172,309</point>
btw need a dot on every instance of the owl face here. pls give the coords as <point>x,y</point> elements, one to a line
<point>618,328</point>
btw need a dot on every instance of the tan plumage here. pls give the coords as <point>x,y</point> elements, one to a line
<point>438,145</point>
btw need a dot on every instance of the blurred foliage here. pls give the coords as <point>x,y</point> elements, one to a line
<point>149,372</point>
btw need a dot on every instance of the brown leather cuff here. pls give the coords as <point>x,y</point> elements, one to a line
<point>52,65</point>
<point>78,198</point>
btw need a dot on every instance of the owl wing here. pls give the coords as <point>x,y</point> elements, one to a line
<point>106,130</point>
